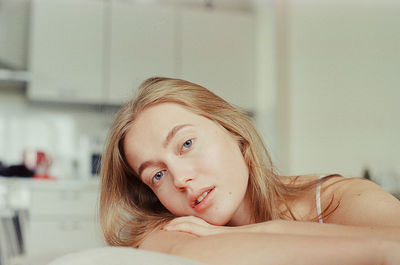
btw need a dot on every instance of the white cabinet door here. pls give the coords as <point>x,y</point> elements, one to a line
<point>217,51</point>
<point>67,50</point>
<point>63,216</point>
<point>56,236</point>
<point>142,45</point>
<point>14,17</point>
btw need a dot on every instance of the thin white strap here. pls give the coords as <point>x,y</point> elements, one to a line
<point>318,201</point>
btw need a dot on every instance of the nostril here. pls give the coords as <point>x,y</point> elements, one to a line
<point>182,182</point>
<point>181,188</point>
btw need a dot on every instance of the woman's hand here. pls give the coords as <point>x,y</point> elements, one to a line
<point>196,226</point>
<point>199,227</point>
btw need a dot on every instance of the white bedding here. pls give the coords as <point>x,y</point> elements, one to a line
<point>120,256</point>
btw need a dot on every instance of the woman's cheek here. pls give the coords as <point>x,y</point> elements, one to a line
<point>206,159</point>
<point>166,196</point>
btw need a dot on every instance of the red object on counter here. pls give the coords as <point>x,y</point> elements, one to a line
<point>37,176</point>
<point>39,162</point>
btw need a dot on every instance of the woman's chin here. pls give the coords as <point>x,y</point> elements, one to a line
<point>220,221</point>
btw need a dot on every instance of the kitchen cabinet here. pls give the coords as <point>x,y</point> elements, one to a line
<point>217,51</point>
<point>110,47</point>
<point>63,217</point>
<point>67,50</point>
<point>214,48</point>
<point>54,217</point>
<point>14,33</point>
<point>142,45</point>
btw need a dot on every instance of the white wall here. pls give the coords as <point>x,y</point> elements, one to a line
<point>343,62</point>
<point>266,76</point>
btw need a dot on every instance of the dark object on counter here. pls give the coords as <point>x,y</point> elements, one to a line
<point>96,161</point>
<point>366,174</point>
<point>16,171</point>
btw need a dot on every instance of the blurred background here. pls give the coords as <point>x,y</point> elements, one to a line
<point>320,79</point>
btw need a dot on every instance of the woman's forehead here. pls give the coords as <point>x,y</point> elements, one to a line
<point>163,114</point>
<point>159,119</point>
<point>154,123</point>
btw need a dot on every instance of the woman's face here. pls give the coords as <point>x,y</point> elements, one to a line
<point>192,164</point>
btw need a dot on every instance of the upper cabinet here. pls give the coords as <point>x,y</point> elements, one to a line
<point>67,50</point>
<point>100,51</point>
<point>142,44</point>
<point>14,21</point>
<point>217,51</point>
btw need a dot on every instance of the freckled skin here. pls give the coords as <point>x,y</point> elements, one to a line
<point>213,160</point>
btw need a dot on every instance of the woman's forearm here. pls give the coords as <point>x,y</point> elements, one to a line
<point>309,228</point>
<point>274,249</point>
<point>199,227</point>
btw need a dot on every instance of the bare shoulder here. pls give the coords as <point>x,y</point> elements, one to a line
<point>360,202</point>
<point>166,241</point>
<point>351,188</point>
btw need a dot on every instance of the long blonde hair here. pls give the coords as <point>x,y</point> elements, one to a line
<point>129,210</point>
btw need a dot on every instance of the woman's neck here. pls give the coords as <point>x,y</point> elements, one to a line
<point>242,216</point>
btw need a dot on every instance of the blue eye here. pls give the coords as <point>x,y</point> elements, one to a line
<point>187,144</point>
<point>157,177</point>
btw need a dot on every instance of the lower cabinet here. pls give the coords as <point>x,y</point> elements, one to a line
<point>61,235</point>
<point>63,217</point>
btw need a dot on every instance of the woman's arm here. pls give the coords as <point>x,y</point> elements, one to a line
<point>263,248</point>
<point>365,210</point>
<point>199,227</point>
<point>362,240</point>
<point>309,228</point>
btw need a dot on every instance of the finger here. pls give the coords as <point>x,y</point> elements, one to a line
<point>191,228</point>
<point>187,224</point>
<point>189,219</point>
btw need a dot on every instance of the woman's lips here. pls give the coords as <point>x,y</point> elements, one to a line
<point>201,197</point>
<point>203,200</point>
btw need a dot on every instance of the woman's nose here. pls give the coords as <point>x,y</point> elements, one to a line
<point>182,175</point>
<point>181,181</point>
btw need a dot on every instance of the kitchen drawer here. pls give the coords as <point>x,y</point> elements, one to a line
<point>64,202</point>
<point>60,236</point>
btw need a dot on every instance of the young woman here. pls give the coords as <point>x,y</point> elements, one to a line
<point>186,173</point>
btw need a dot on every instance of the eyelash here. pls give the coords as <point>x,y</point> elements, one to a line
<point>181,151</point>
<point>153,179</point>
<point>183,148</point>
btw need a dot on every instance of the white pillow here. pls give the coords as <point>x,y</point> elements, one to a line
<point>120,256</point>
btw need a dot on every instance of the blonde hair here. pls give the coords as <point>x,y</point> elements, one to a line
<point>129,210</point>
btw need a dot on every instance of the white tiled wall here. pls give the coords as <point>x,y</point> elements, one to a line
<point>56,130</point>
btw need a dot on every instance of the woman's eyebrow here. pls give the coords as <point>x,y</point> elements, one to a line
<point>167,140</point>
<point>146,164</point>
<point>172,133</point>
<point>143,166</point>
